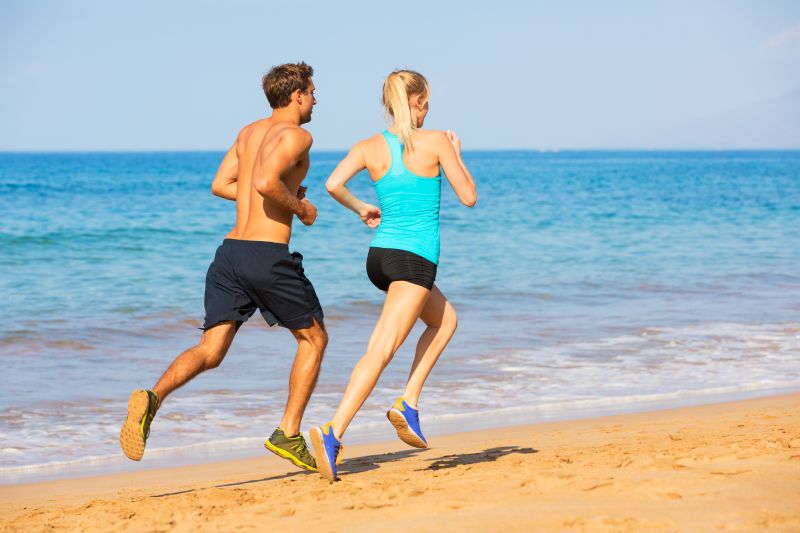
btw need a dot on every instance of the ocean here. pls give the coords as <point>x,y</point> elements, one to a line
<point>586,283</point>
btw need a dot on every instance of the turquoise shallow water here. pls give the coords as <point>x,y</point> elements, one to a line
<point>585,281</point>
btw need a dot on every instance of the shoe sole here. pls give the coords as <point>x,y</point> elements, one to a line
<point>323,465</point>
<point>288,456</point>
<point>130,436</point>
<point>405,433</point>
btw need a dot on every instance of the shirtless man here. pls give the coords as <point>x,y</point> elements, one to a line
<point>253,268</point>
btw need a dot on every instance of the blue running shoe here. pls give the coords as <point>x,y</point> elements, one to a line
<point>326,450</point>
<point>405,420</point>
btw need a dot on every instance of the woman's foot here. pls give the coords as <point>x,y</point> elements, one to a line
<point>326,450</point>
<point>405,420</point>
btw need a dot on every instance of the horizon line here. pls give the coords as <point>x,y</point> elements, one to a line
<point>549,150</point>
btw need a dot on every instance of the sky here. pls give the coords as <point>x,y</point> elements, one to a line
<point>185,75</point>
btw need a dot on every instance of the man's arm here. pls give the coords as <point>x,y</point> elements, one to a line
<point>225,182</point>
<point>292,148</point>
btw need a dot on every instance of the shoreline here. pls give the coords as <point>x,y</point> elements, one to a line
<point>372,433</point>
<point>725,464</point>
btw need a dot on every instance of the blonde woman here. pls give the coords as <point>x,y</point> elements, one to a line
<point>404,163</point>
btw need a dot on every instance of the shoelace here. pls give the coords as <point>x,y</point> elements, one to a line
<point>300,447</point>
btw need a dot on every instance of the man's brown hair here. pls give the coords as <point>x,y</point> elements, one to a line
<point>280,82</point>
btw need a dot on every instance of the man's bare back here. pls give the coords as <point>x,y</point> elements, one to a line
<point>272,163</point>
<point>263,171</point>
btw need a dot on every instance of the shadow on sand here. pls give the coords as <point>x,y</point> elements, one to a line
<point>234,484</point>
<point>486,456</point>
<point>348,466</point>
<point>371,462</point>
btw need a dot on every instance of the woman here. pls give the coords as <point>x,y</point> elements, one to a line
<point>404,163</point>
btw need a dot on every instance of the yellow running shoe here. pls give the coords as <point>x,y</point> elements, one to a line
<point>142,406</point>
<point>293,449</point>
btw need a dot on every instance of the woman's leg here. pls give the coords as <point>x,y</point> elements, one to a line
<point>440,317</point>
<point>403,305</point>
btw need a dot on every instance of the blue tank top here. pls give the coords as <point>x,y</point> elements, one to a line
<point>409,207</point>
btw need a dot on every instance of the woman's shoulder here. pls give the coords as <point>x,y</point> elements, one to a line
<point>431,133</point>
<point>430,139</point>
<point>370,144</point>
<point>432,136</point>
<point>378,137</point>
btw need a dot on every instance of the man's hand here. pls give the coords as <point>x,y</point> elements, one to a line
<point>308,213</point>
<point>301,192</point>
<point>370,215</point>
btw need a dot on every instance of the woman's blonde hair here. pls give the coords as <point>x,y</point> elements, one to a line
<point>398,87</point>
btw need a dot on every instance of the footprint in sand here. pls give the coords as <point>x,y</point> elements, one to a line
<point>608,523</point>
<point>598,486</point>
<point>650,488</point>
<point>544,483</point>
<point>728,472</point>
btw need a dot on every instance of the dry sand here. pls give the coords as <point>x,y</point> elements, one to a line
<point>730,467</point>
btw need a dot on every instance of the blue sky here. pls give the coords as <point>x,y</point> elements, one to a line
<point>177,75</point>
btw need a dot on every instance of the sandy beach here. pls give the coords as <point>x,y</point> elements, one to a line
<point>732,467</point>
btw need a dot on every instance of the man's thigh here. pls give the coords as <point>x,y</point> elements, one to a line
<point>218,338</point>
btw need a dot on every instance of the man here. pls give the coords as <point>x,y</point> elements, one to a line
<point>253,268</point>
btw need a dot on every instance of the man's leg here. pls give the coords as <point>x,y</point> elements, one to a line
<point>286,441</point>
<point>143,404</point>
<point>311,343</point>
<point>208,353</point>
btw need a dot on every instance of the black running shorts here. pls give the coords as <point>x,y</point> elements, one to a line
<point>250,275</point>
<point>385,265</point>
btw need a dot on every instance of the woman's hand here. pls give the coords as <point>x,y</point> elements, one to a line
<point>455,141</point>
<point>455,170</point>
<point>370,215</point>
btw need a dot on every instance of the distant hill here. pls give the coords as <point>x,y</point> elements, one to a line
<point>773,123</point>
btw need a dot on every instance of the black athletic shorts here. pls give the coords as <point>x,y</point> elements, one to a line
<point>385,265</point>
<point>250,275</point>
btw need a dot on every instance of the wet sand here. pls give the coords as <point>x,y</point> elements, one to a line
<point>732,467</point>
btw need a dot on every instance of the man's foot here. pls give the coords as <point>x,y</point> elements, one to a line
<point>405,420</point>
<point>142,406</point>
<point>294,449</point>
<point>326,449</point>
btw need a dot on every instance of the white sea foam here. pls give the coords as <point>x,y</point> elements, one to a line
<point>649,368</point>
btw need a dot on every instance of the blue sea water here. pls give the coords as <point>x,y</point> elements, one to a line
<point>586,282</point>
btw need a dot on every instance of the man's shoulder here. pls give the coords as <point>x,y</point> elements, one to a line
<point>295,133</point>
<point>247,131</point>
<point>294,139</point>
<point>256,125</point>
<point>286,139</point>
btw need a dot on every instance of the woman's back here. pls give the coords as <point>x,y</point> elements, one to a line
<point>409,200</point>
<point>422,161</point>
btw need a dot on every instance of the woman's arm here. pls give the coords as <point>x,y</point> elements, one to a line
<point>455,170</point>
<point>225,182</point>
<point>352,164</point>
